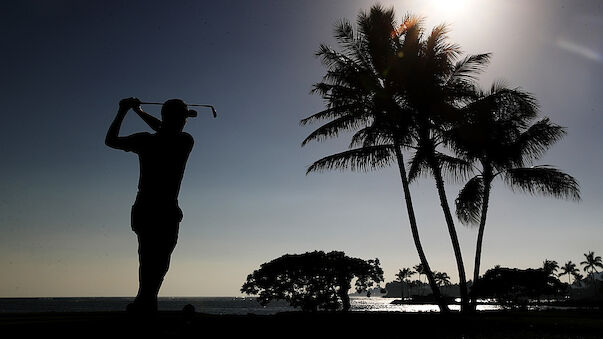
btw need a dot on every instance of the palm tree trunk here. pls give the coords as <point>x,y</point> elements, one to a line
<point>480,237</point>
<point>415,232</point>
<point>437,173</point>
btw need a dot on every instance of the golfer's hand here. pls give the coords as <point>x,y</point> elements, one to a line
<point>128,103</point>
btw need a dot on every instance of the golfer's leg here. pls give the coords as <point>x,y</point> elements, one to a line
<point>144,272</point>
<point>165,247</point>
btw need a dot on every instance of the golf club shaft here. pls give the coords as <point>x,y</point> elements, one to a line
<point>213,110</point>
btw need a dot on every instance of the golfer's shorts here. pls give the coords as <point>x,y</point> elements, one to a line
<point>156,219</point>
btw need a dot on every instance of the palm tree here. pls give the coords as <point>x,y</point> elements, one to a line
<point>590,264</point>
<point>578,277</point>
<point>420,271</point>
<point>570,269</point>
<point>402,276</point>
<point>550,267</point>
<point>435,84</point>
<point>360,96</point>
<point>498,135</point>
<point>442,278</point>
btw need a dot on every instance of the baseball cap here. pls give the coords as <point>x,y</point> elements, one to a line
<point>177,106</point>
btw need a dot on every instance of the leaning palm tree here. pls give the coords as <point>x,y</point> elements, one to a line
<point>570,270</point>
<point>499,136</point>
<point>360,96</point>
<point>590,265</point>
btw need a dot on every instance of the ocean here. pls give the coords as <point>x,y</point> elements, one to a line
<point>210,305</point>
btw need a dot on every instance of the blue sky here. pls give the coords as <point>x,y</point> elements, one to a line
<point>64,211</point>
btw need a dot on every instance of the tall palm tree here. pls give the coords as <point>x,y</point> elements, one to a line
<point>360,96</point>
<point>402,276</point>
<point>590,264</point>
<point>499,136</point>
<point>570,269</point>
<point>436,83</point>
<point>550,267</point>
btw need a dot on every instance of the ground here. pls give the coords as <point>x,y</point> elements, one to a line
<point>543,324</point>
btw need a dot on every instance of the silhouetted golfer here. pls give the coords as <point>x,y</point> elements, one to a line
<point>155,214</point>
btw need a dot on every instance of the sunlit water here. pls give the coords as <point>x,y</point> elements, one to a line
<point>211,305</point>
<point>385,305</point>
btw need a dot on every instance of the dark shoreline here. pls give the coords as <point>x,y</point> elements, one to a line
<point>499,324</point>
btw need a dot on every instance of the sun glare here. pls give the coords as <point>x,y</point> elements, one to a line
<point>448,6</point>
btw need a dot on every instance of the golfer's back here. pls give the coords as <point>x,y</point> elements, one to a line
<point>162,162</point>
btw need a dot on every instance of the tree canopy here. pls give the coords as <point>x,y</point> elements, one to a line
<point>312,280</point>
<point>511,285</point>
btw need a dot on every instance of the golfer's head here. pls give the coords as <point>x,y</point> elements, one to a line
<point>173,115</point>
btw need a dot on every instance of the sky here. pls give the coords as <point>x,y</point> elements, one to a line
<point>66,197</point>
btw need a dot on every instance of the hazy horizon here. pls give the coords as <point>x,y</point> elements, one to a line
<point>65,209</point>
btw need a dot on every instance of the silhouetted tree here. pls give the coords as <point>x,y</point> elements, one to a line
<point>550,267</point>
<point>578,277</point>
<point>435,83</point>
<point>499,136</point>
<point>570,269</point>
<point>442,278</point>
<point>420,271</point>
<point>590,265</point>
<point>402,276</point>
<point>416,284</point>
<point>513,287</point>
<point>313,280</point>
<point>362,95</point>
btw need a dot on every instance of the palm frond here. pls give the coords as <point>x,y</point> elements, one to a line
<point>469,201</point>
<point>410,23</point>
<point>352,44</point>
<point>334,127</point>
<point>418,164</point>
<point>331,58</point>
<point>370,136</point>
<point>344,32</point>
<point>519,105</point>
<point>439,53</point>
<point>469,67</point>
<point>537,139</point>
<point>456,168</point>
<point>543,180</point>
<point>329,113</point>
<point>359,159</point>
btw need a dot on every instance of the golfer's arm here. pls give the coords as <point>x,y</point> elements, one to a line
<point>112,138</point>
<point>153,122</point>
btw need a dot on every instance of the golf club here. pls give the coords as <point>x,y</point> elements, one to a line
<point>213,110</point>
